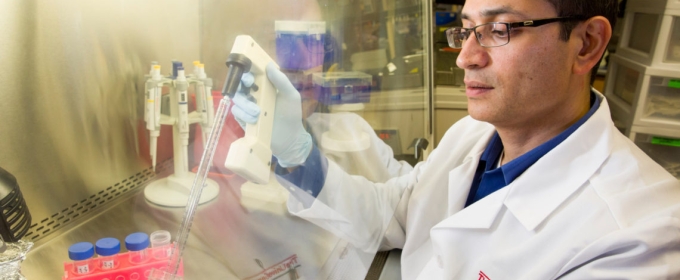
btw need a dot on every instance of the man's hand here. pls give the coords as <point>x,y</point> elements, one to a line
<point>291,143</point>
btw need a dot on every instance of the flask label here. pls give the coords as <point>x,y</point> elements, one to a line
<point>108,264</point>
<point>82,269</point>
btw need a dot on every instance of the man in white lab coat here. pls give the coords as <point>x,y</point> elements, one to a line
<point>536,184</point>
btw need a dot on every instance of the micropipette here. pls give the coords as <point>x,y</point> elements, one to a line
<point>183,117</point>
<point>153,110</point>
<point>209,112</point>
<point>200,99</point>
<point>148,91</point>
<point>204,100</point>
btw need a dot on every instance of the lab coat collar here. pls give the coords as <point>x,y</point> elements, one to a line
<point>544,186</point>
<point>535,194</point>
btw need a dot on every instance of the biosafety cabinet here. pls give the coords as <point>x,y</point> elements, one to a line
<point>643,80</point>
<point>103,99</point>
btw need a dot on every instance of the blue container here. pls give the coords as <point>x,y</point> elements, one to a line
<point>136,244</point>
<point>81,251</point>
<point>342,87</point>
<point>107,248</point>
<point>81,254</point>
<point>300,44</point>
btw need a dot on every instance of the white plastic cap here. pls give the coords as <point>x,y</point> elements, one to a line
<point>200,71</point>
<point>156,72</point>
<point>181,76</point>
<point>159,238</point>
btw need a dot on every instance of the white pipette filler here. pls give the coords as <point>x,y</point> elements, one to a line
<point>250,156</point>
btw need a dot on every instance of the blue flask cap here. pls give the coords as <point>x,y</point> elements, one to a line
<point>107,246</point>
<point>81,251</point>
<point>137,241</point>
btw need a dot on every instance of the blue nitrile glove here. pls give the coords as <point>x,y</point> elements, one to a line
<point>291,143</point>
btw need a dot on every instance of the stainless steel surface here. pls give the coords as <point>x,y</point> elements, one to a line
<point>72,95</point>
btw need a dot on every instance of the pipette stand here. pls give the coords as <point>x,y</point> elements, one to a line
<point>173,191</point>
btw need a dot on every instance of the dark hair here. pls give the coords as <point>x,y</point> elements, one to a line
<point>584,8</point>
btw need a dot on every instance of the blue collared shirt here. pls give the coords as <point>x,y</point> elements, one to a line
<point>488,178</point>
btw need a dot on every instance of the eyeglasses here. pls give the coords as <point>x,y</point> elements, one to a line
<point>495,34</point>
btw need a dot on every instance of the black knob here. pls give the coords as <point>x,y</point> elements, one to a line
<point>238,64</point>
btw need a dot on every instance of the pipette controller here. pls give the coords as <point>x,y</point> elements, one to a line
<point>250,156</point>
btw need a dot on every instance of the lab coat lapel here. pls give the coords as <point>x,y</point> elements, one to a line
<point>460,180</point>
<point>557,175</point>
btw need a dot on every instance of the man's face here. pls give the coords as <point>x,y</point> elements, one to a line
<point>525,81</point>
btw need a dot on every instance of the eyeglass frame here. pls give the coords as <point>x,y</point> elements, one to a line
<point>510,26</point>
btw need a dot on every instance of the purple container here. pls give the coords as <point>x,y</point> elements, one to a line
<point>300,44</point>
<point>342,87</point>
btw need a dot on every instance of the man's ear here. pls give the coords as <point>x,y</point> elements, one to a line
<point>594,34</point>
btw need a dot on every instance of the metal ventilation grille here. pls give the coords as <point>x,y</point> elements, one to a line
<point>69,214</point>
<point>16,217</point>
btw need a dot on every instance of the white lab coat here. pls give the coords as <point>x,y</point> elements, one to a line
<point>595,207</point>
